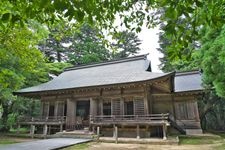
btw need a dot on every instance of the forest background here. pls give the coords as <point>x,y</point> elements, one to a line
<point>38,39</point>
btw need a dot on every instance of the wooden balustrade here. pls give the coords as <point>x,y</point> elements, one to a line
<point>42,120</point>
<point>117,119</point>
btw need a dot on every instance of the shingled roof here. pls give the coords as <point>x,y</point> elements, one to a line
<point>188,81</point>
<point>128,70</point>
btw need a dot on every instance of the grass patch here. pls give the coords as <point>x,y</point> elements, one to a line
<point>7,141</point>
<point>221,147</point>
<point>82,146</point>
<point>198,140</point>
<point>21,130</point>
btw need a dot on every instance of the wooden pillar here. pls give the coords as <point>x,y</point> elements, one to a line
<point>121,101</point>
<point>164,132</point>
<point>93,107</point>
<point>100,106</point>
<point>150,99</point>
<point>116,134</point>
<point>61,127</point>
<point>49,130</point>
<point>98,133</point>
<point>45,130</point>
<point>56,109</point>
<point>101,102</point>
<point>71,114</point>
<point>195,105</point>
<point>173,104</point>
<point>32,129</point>
<point>93,129</point>
<point>138,132</point>
<point>48,105</point>
<point>121,106</point>
<point>146,93</point>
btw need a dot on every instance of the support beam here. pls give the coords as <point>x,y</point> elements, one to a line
<point>71,114</point>
<point>150,99</point>
<point>138,132</point>
<point>164,132</point>
<point>45,130</point>
<point>56,108</point>
<point>98,133</point>
<point>61,127</point>
<point>116,134</point>
<point>146,109</point>
<point>49,129</point>
<point>32,129</point>
<point>173,104</point>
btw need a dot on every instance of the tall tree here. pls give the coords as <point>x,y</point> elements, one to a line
<point>213,59</point>
<point>126,44</point>
<point>53,47</point>
<point>195,14</point>
<point>87,46</point>
<point>20,62</point>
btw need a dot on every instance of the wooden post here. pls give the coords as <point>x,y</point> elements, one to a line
<point>98,133</point>
<point>49,129</point>
<point>173,104</point>
<point>61,127</point>
<point>150,99</point>
<point>71,114</point>
<point>32,129</point>
<point>164,132</point>
<point>93,129</point>
<point>116,134</point>
<point>56,109</point>
<point>146,95</point>
<point>138,132</point>
<point>45,130</point>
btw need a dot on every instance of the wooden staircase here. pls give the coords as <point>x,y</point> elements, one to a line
<point>176,126</point>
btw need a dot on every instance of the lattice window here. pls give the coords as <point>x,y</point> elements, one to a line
<point>185,110</point>
<point>116,106</point>
<point>129,107</point>
<point>45,109</point>
<point>107,108</point>
<point>139,108</point>
<point>60,111</point>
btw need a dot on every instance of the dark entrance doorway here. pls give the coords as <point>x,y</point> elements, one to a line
<point>51,110</point>
<point>83,112</point>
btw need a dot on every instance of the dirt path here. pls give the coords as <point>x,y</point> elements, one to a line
<point>112,146</point>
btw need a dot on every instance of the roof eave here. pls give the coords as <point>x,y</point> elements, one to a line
<point>33,93</point>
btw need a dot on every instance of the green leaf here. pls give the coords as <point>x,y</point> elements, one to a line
<point>6,17</point>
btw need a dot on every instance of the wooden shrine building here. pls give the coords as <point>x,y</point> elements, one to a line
<point>119,97</point>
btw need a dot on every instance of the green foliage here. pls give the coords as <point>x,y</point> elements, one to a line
<point>57,68</point>
<point>126,44</point>
<point>213,56</point>
<point>20,62</point>
<point>134,14</point>
<point>53,46</point>
<point>87,46</point>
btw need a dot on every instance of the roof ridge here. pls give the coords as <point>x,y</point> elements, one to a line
<point>139,57</point>
<point>180,73</point>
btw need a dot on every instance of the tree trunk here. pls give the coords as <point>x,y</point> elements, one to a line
<point>5,114</point>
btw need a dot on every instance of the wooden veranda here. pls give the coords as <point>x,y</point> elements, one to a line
<point>130,120</point>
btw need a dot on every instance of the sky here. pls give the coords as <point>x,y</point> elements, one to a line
<point>149,38</point>
<point>149,45</point>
